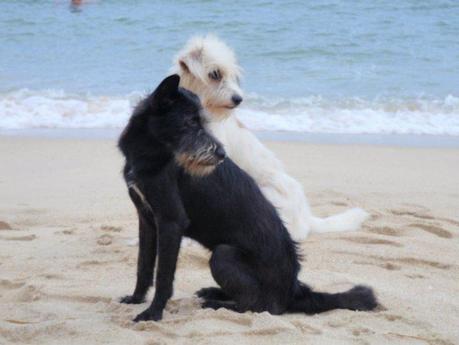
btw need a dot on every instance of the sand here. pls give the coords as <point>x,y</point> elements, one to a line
<point>66,221</point>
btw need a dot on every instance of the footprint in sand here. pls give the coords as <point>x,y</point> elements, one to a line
<point>338,203</point>
<point>357,332</point>
<point>303,327</point>
<point>450,221</point>
<point>91,263</point>
<point>396,261</point>
<point>25,293</point>
<point>411,206</point>
<point>19,238</point>
<point>374,216</point>
<point>68,231</point>
<point>5,226</point>
<point>387,265</point>
<point>414,276</point>
<point>111,228</point>
<point>8,284</point>
<point>433,229</point>
<point>411,213</point>
<point>394,337</point>
<point>80,298</point>
<point>369,240</point>
<point>391,317</point>
<point>385,230</point>
<point>105,240</point>
<point>422,262</point>
<point>51,276</point>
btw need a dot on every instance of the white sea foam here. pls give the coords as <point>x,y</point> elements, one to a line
<point>382,116</point>
<point>57,109</point>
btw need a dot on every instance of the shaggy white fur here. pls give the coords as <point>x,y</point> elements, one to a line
<point>209,68</point>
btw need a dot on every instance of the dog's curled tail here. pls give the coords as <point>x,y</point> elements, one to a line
<point>305,300</point>
<point>349,220</point>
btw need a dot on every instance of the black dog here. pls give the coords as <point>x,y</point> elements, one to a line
<point>179,188</point>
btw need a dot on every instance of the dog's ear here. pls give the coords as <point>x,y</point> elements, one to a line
<point>186,62</point>
<point>168,88</point>
<point>184,66</point>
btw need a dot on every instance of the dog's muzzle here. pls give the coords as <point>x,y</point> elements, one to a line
<point>203,162</point>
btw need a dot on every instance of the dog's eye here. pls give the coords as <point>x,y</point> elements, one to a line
<point>215,75</point>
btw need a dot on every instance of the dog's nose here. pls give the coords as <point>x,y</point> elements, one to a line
<point>236,99</point>
<point>220,153</point>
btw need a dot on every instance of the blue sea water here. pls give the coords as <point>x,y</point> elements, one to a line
<point>320,66</point>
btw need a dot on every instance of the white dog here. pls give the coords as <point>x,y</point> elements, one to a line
<point>209,68</point>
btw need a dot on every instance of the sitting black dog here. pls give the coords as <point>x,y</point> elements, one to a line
<point>182,185</point>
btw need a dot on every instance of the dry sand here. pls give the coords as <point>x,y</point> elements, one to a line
<point>65,221</point>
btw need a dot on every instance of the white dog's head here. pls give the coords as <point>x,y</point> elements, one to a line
<point>209,68</point>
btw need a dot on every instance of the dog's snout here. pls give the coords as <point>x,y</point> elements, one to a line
<point>236,99</point>
<point>220,153</point>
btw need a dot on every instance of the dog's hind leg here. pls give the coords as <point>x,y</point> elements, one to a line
<point>145,260</point>
<point>232,272</point>
<point>212,293</point>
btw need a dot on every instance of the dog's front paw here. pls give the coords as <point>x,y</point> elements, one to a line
<point>148,314</point>
<point>132,299</point>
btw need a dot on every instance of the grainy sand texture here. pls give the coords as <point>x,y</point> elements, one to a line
<point>66,221</point>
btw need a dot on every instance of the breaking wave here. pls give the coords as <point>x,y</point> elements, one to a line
<point>57,109</point>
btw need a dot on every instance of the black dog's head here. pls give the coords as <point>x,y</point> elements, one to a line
<point>177,124</point>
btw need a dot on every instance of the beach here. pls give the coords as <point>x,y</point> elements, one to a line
<point>358,99</point>
<point>66,253</point>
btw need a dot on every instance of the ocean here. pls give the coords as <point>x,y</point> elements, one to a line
<point>334,67</point>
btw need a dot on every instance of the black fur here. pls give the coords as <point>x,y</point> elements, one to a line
<point>254,260</point>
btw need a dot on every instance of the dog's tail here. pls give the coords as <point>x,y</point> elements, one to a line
<point>349,220</point>
<point>307,301</point>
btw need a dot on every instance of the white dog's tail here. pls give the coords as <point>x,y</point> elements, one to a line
<point>350,220</point>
